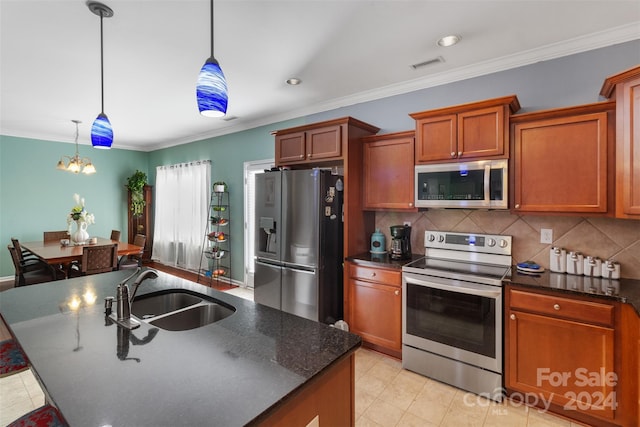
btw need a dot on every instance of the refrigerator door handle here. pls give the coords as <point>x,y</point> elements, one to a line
<point>268,264</point>
<point>311,271</point>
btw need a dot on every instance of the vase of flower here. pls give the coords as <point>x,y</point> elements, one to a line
<point>81,235</point>
<point>82,219</point>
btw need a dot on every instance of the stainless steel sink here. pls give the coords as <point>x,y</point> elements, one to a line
<point>179,310</point>
<point>146,306</point>
<point>193,317</point>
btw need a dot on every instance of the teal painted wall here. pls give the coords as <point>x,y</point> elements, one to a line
<point>35,196</point>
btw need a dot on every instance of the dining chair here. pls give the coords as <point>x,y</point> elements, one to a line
<point>134,260</point>
<point>115,235</point>
<point>33,272</point>
<point>23,254</point>
<point>55,236</point>
<point>97,259</point>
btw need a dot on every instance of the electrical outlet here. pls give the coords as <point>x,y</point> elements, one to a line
<point>546,235</point>
<point>407,223</point>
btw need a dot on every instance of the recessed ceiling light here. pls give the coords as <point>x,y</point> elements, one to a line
<point>293,81</point>
<point>447,41</point>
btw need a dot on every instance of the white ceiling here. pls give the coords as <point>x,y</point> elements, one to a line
<point>345,52</point>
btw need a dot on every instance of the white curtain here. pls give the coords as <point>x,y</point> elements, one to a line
<point>181,213</point>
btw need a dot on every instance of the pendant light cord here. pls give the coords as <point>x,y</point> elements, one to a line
<point>101,67</point>
<point>212,29</point>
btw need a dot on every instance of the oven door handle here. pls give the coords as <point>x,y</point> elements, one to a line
<point>479,292</point>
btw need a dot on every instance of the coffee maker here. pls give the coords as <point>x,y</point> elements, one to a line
<point>400,242</point>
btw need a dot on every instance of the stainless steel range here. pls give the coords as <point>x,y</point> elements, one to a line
<point>452,310</point>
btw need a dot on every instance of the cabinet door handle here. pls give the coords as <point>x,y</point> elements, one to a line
<point>410,205</point>
<point>309,155</point>
<point>302,156</point>
<point>453,154</point>
<point>459,153</point>
<point>517,206</point>
<point>397,292</point>
<point>512,317</point>
<point>556,306</point>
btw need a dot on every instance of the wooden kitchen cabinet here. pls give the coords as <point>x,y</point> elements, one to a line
<point>317,144</point>
<point>376,307</point>
<point>388,171</point>
<point>561,350</point>
<point>563,159</point>
<point>625,89</point>
<point>478,130</point>
<point>313,145</point>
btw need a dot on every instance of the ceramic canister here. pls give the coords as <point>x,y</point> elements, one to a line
<point>558,260</point>
<point>377,242</point>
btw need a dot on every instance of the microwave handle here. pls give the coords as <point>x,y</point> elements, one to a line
<point>487,178</point>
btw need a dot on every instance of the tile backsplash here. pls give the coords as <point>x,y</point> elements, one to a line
<point>602,237</point>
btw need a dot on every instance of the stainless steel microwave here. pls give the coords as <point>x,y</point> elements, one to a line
<point>479,184</point>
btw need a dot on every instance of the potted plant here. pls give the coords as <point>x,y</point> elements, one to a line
<point>219,186</point>
<point>135,184</point>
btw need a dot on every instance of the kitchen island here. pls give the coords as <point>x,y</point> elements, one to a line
<point>257,366</point>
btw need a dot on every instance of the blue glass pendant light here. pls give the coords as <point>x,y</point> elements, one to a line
<point>211,89</point>
<point>101,131</point>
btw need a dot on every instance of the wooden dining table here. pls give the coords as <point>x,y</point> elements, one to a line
<point>54,253</point>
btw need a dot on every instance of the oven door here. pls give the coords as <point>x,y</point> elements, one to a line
<point>452,318</point>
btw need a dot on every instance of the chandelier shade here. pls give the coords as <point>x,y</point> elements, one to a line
<point>211,88</point>
<point>101,132</point>
<point>76,163</point>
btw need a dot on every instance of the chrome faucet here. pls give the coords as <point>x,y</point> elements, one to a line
<point>147,274</point>
<point>124,299</point>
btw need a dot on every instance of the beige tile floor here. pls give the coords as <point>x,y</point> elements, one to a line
<point>19,393</point>
<point>389,396</point>
<point>386,395</point>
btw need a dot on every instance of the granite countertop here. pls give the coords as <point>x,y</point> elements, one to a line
<point>623,290</point>
<point>228,373</point>
<point>382,260</point>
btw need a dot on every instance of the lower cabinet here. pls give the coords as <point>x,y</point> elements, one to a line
<point>328,400</point>
<point>375,298</point>
<point>566,355</point>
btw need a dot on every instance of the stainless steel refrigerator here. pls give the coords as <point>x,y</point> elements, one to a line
<point>298,244</point>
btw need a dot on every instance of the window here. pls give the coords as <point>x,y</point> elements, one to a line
<point>181,213</point>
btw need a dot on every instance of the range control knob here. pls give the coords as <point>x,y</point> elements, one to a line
<point>491,242</point>
<point>431,237</point>
<point>441,238</point>
<point>503,243</point>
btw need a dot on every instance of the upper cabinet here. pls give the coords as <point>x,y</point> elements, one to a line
<point>468,131</point>
<point>562,161</point>
<point>388,171</point>
<point>624,88</point>
<point>319,143</point>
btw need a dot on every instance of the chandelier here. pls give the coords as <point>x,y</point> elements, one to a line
<point>76,163</point>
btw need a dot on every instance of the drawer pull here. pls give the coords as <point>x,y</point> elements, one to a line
<point>556,306</point>
<point>512,317</point>
<point>397,292</point>
<point>373,274</point>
